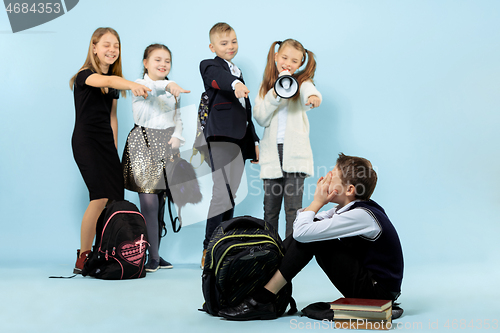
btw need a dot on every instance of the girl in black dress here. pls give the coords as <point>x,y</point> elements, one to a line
<point>94,142</point>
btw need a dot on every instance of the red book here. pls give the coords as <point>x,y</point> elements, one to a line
<point>360,304</point>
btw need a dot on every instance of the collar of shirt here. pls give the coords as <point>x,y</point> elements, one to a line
<point>233,68</point>
<point>147,78</point>
<point>346,207</point>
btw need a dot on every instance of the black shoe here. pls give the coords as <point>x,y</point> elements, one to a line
<point>397,311</point>
<point>152,265</point>
<point>165,264</point>
<point>250,309</point>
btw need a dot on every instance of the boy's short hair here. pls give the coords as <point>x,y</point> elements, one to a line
<point>220,28</point>
<point>359,172</point>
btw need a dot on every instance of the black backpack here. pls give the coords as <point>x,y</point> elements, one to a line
<point>200,144</point>
<point>242,256</point>
<point>120,246</point>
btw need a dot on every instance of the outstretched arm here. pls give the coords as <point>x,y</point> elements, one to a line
<point>117,82</point>
<point>310,95</point>
<point>176,90</point>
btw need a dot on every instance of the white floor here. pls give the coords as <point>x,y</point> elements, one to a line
<point>438,298</point>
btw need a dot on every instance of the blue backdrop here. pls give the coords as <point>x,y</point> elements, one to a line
<point>411,85</point>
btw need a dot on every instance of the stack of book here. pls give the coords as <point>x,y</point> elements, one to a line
<point>359,313</point>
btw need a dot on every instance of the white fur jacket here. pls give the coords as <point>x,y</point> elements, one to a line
<point>297,152</point>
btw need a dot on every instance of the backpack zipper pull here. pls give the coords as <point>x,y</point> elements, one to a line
<point>113,253</point>
<point>106,255</point>
<point>141,243</point>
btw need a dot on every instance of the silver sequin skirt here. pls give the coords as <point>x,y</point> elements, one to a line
<point>144,157</point>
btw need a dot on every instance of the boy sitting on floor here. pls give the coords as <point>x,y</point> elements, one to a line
<point>354,243</point>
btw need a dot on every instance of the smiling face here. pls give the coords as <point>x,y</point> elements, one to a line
<point>288,58</point>
<point>107,50</point>
<point>225,45</point>
<point>158,64</point>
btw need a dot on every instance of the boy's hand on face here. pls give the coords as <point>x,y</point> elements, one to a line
<point>240,90</point>
<point>324,191</point>
<point>331,187</point>
<point>322,194</point>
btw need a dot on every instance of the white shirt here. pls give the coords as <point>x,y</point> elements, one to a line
<point>236,72</point>
<point>334,224</point>
<point>282,115</point>
<point>158,110</point>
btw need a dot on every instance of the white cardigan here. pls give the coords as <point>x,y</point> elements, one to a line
<point>297,152</point>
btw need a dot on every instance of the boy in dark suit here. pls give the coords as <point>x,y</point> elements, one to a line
<point>229,131</point>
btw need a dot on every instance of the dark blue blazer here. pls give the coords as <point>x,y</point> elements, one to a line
<point>227,118</point>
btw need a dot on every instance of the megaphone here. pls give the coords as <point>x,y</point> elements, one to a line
<point>286,86</point>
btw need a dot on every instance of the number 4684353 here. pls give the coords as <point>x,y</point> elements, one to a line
<point>476,324</point>
<point>35,8</point>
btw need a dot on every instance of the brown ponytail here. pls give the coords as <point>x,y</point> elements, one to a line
<point>270,73</point>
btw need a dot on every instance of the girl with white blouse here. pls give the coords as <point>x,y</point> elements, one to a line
<point>156,136</point>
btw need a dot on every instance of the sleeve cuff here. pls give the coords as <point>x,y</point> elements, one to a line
<point>235,82</point>
<point>162,84</point>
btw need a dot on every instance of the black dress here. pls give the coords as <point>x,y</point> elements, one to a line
<point>93,142</point>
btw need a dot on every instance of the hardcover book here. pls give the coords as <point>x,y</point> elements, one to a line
<point>360,304</point>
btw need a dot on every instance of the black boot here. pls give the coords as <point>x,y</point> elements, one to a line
<point>250,309</point>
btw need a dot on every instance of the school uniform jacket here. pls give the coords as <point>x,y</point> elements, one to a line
<point>227,118</point>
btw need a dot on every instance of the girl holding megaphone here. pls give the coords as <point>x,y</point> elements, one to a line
<point>285,151</point>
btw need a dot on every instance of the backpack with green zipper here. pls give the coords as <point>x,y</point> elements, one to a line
<point>242,256</point>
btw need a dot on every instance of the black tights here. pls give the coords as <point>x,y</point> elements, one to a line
<point>150,206</point>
